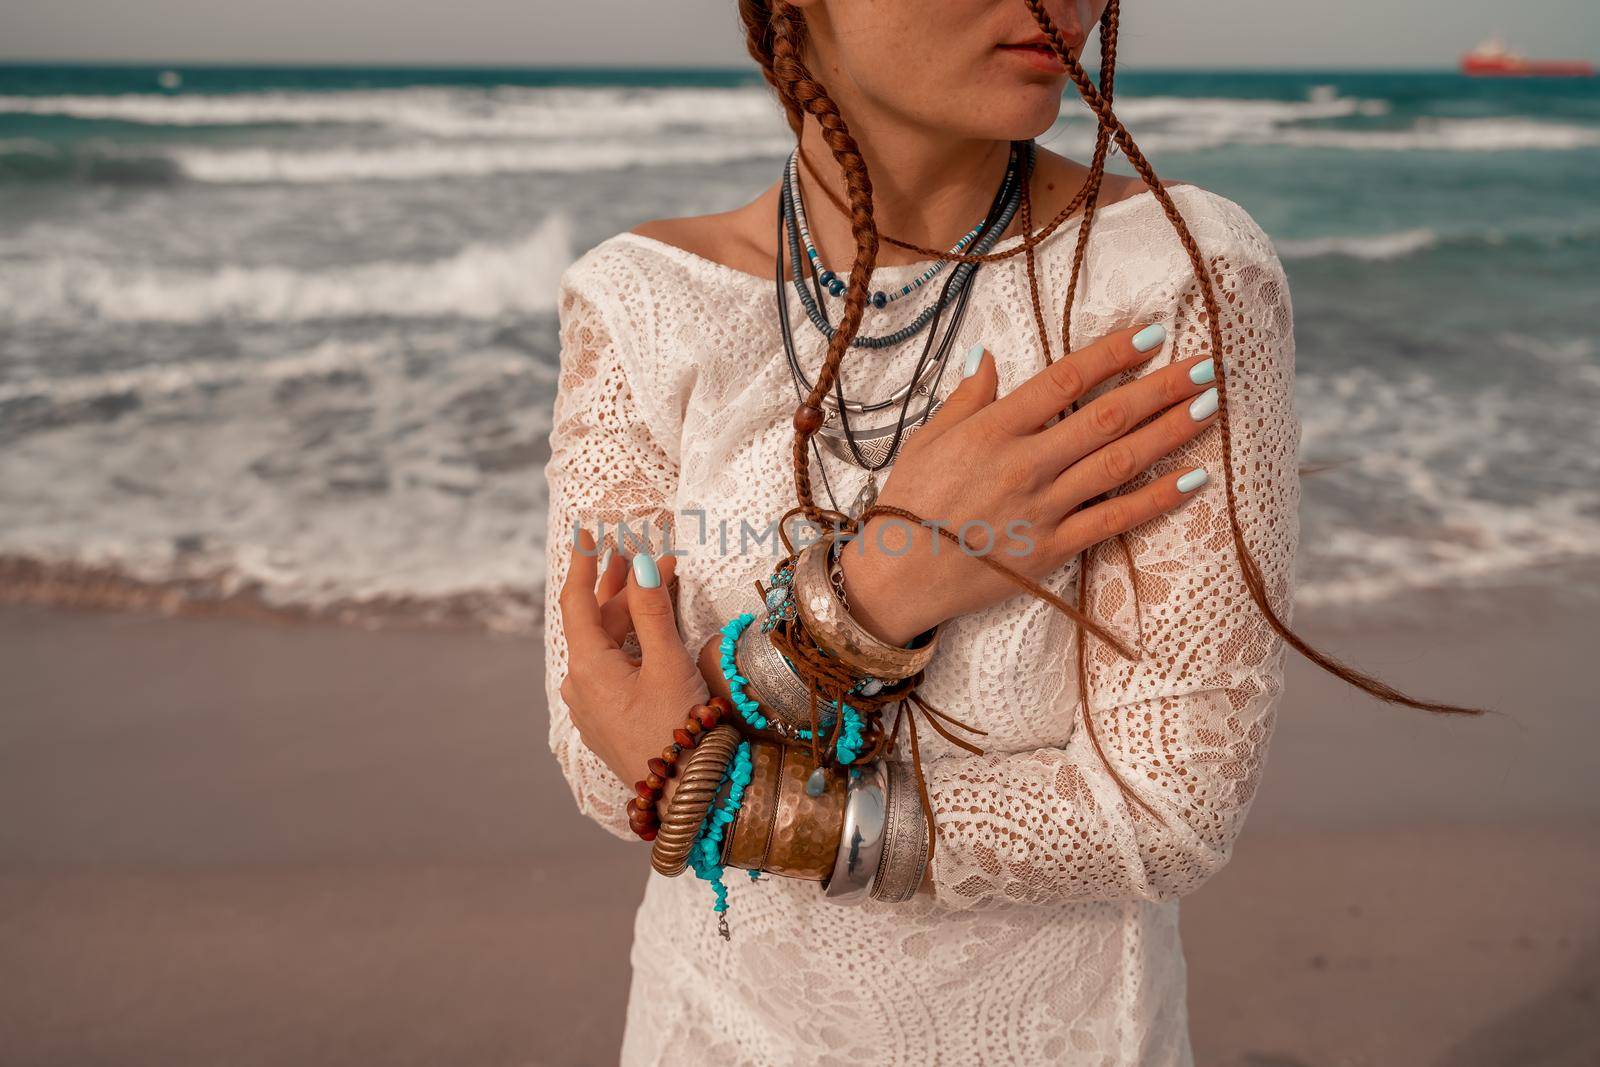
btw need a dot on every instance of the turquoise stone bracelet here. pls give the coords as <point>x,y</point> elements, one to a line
<point>848,746</point>
<point>705,855</point>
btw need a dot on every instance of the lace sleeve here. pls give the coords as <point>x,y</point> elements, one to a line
<point>606,468</point>
<point>1187,728</point>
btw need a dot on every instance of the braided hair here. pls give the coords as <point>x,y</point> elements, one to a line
<point>775,36</point>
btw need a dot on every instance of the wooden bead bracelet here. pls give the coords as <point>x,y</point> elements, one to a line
<point>643,818</point>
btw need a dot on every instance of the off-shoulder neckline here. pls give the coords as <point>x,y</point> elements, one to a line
<point>1147,196</point>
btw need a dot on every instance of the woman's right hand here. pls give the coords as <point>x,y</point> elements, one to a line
<point>995,474</point>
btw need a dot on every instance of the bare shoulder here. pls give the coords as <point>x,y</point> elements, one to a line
<point>731,238</point>
<point>1057,180</point>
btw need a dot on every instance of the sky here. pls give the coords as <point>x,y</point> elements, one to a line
<point>1155,33</point>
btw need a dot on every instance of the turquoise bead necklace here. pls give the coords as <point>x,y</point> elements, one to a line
<point>835,283</point>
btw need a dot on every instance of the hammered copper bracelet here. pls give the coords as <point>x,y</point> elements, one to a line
<point>781,826</point>
<point>699,780</point>
<point>835,631</point>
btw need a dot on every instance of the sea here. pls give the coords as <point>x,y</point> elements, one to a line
<point>284,339</point>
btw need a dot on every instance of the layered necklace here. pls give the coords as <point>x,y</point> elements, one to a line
<point>873,447</point>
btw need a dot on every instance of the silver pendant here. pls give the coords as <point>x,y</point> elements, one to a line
<point>866,498</point>
<point>876,444</point>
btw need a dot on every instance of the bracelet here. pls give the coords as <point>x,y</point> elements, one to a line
<point>698,781</point>
<point>817,603</point>
<point>641,808</point>
<point>905,841</point>
<point>784,827</point>
<point>852,734</point>
<point>778,689</point>
<point>861,839</point>
<point>706,854</point>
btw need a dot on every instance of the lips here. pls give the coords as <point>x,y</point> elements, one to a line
<point>1039,56</point>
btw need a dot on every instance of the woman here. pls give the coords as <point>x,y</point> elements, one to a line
<point>1129,475</point>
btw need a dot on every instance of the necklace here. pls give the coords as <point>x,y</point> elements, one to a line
<point>836,284</point>
<point>790,199</point>
<point>874,448</point>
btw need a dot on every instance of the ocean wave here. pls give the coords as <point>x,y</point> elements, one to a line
<point>1450,135</point>
<point>506,111</point>
<point>482,281</point>
<point>1411,499</point>
<point>1378,246</point>
<point>446,160</point>
<point>1400,244</point>
<point>31,159</point>
<point>197,588</point>
<point>397,472</point>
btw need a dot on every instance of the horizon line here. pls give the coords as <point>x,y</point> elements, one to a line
<point>654,68</point>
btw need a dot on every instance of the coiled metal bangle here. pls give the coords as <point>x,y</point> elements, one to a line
<point>699,779</point>
<point>861,838</point>
<point>905,841</point>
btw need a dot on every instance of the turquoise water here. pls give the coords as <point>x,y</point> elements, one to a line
<point>293,329</point>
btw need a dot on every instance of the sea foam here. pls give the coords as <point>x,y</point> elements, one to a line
<point>481,281</point>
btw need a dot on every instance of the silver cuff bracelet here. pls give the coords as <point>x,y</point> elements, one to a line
<point>773,683</point>
<point>861,841</point>
<point>905,840</point>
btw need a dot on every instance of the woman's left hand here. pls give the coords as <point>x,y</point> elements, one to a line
<point>624,708</point>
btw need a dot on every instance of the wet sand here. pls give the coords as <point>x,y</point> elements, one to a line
<point>249,843</point>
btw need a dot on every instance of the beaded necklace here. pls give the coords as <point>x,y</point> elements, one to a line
<point>874,448</point>
<point>1006,202</point>
<point>836,284</point>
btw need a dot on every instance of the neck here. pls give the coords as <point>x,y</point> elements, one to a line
<point>927,190</point>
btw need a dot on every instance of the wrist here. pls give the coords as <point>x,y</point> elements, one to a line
<point>872,587</point>
<point>710,661</point>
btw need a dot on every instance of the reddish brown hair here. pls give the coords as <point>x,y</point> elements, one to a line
<point>775,37</point>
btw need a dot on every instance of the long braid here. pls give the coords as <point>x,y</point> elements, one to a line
<point>775,38</point>
<point>803,93</point>
<point>1248,566</point>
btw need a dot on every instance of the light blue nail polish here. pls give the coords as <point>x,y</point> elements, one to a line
<point>1188,483</point>
<point>1204,405</point>
<point>1203,372</point>
<point>974,357</point>
<point>1149,337</point>
<point>645,572</point>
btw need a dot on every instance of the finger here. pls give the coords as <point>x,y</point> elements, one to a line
<point>1115,414</point>
<point>614,613</point>
<point>974,392</point>
<point>1091,525</point>
<point>614,576</point>
<point>1106,468</point>
<point>580,611</point>
<point>650,606</point>
<point>1054,389</point>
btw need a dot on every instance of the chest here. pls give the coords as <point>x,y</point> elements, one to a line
<point>1009,670</point>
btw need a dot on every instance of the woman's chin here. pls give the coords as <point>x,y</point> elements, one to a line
<point>1023,112</point>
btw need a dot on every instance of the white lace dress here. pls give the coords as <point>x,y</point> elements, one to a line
<point>1052,936</point>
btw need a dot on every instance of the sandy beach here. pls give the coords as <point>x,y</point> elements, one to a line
<point>245,842</point>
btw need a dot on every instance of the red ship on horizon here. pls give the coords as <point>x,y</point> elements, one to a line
<point>1492,59</point>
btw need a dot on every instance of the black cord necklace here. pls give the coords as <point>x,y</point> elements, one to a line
<point>884,442</point>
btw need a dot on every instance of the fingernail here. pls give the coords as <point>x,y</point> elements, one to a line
<point>974,357</point>
<point>605,559</point>
<point>1204,405</point>
<point>1149,337</point>
<point>1203,372</point>
<point>1188,483</point>
<point>645,572</point>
